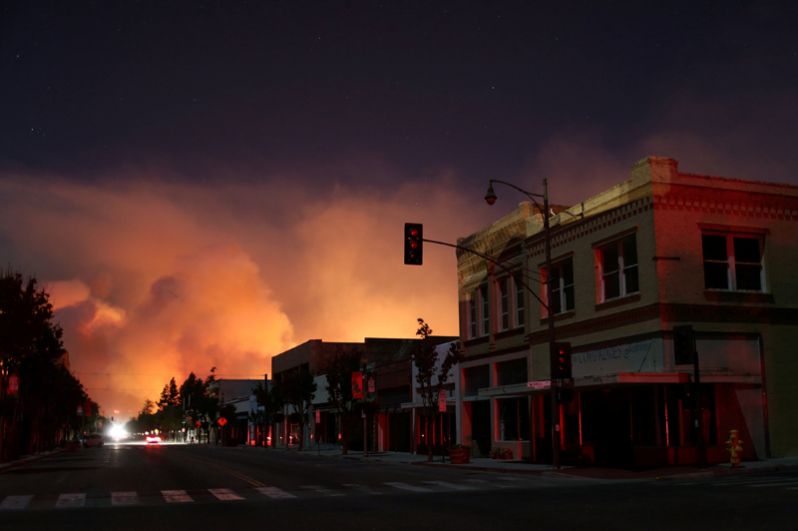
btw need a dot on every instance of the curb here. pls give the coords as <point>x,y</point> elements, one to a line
<point>27,459</point>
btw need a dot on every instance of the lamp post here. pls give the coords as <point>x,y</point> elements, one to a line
<point>490,198</point>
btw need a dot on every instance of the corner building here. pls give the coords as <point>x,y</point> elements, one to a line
<point>659,250</point>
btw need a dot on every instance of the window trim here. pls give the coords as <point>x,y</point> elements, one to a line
<point>560,290</point>
<point>515,312</point>
<point>598,255</point>
<point>729,234</point>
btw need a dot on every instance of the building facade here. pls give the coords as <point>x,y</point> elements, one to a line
<point>662,250</point>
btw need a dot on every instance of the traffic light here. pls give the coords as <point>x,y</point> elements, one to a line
<point>561,361</point>
<point>414,235</point>
<point>683,345</point>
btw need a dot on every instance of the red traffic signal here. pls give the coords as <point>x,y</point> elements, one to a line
<point>414,237</point>
<point>561,361</point>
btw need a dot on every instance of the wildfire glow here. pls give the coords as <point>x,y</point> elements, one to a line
<point>151,279</point>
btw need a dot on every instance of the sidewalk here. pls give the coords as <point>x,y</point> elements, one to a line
<point>520,467</point>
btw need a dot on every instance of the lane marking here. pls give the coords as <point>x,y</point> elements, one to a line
<point>405,486</point>
<point>128,497</point>
<point>275,493</point>
<point>15,503</point>
<point>71,500</point>
<point>176,496</point>
<point>225,494</point>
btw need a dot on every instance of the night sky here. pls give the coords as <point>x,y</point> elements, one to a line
<point>209,183</point>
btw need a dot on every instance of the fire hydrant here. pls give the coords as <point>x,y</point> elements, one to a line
<point>735,447</point>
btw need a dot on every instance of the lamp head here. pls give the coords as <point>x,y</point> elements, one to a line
<point>490,195</point>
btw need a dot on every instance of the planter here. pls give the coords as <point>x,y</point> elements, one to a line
<point>460,455</point>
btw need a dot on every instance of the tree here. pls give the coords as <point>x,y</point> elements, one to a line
<point>430,375</point>
<point>40,408</point>
<point>339,371</point>
<point>297,388</point>
<point>271,402</point>
<point>170,411</point>
<point>199,399</point>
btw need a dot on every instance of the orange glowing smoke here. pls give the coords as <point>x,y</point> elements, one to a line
<point>152,279</point>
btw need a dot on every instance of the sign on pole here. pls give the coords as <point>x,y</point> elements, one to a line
<point>357,385</point>
<point>13,384</point>
<point>442,401</point>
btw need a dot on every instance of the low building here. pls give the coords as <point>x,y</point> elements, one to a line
<point>659,252</point>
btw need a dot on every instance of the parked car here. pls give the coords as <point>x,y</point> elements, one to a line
<point>93,440</point>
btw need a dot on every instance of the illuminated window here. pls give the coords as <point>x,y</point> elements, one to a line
<point>733,262</point>
<point>617,269</point>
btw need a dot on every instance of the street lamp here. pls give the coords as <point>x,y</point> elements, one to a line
<point>490,198</point>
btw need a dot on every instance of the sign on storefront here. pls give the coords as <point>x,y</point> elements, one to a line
<point>640,356</point>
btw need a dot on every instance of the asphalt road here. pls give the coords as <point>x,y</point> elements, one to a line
<point>176,487</point>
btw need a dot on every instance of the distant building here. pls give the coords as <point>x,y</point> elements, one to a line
<point>660,250</point>
<point>239,395</point>
<point>388,409</point>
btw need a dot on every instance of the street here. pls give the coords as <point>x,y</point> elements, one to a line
<point>172,487</point>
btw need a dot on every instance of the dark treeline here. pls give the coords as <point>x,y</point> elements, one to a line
<point>42,404</point>
<point>190,408</point>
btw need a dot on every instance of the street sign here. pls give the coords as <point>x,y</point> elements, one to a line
<point>13,384</point>
<point>357,385</point>
<point>539,385</point>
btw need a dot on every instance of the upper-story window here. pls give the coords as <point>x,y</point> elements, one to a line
<point>733,261</point>
<point>562,286</point>
<point>473,314</point>
<point>503,294</point>
<point>519,299</point>
<point>479,312</point>
<point>510,301</point>
<point>485,313</point>
<point>617,268</point>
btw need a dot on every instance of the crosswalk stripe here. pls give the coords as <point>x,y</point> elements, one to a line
<point>176,496</point>
<point>361,488</point>
<point>72,499</point>
<point>324,491</point>
<point>449,486</point>
<point>225,494</point>
<point>11,503</point>
<point>776,483</point>
<point>274,492</point>
<point>405,486</point>
<point>128,497</point>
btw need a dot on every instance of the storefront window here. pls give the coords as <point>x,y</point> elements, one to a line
<point>513,419</point>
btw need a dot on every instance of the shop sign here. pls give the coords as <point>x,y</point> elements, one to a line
<point>640,356</point>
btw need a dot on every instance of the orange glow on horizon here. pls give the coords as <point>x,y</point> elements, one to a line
<point>153,282</point>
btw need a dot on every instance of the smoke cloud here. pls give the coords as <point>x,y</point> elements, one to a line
<point>152,278</point>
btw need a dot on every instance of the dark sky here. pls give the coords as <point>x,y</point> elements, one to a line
<point>481,87</point>
<point>203,184</point>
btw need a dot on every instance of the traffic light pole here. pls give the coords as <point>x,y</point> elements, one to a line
<point>490,197</point>
<point>555,387</point>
